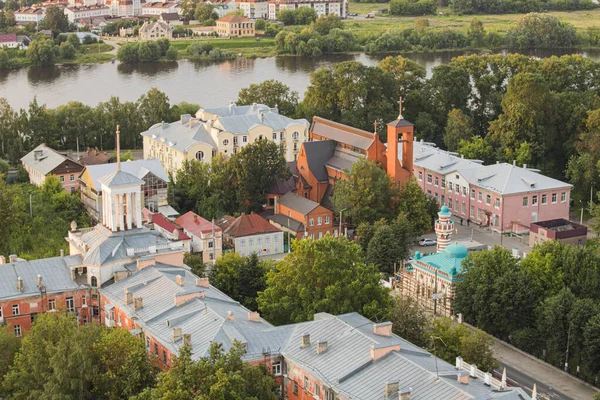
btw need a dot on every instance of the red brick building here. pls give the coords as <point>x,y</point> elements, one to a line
<point>303,217</point>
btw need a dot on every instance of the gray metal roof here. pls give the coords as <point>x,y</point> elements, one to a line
<point>54,271</point>
<point>119,178</point>
<point>318,153</point>
<point>340,163</point>
<point>501,178</point>
<point>138,168</point>
<point>232,109</point>
<point>241,124</point>
<point>298,203</point>
<point>284,220</point>
<point>181,135</point>
<point>342,133</point>
<point>46,161</point>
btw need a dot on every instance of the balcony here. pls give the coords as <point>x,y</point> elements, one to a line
<point>109,322</point>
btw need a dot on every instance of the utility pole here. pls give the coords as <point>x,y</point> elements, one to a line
<point>435,295</point>
<point>341,211</point>
<point>581,218</point>
<point>30,207</point>
<point>567,352</point>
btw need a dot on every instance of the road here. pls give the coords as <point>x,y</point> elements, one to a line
<point>518,378</point>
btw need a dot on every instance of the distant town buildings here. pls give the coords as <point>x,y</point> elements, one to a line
<point>76,13</point>
<point>14,41</point>
<point>322,8</point>
<point>501,196</point>
<point>560,229</point>
<point>255,9</point>
<point>156,8</point>
<point>234,25</point>
<point>44,161</point>
<point>27,15</point>
<point>151,172</point>
<point>251,233</point>
<point>155,30</point>
<point>93,156</point>
<point>222,130</point>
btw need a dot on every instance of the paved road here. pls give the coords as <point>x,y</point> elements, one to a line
<point>518,378</point>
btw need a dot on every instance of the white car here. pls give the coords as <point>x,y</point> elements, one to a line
<point>427,242</point>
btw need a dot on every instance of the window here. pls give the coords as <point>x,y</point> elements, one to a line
<point>295,135</point>
<point>295,389</point>
<point>554,197</point>
<point>429,177</point>
<point>211,256</point>
<point>95,311</point>
<point>71,177</point>
<point>488,199</point>
<point>244,139</point>
<point>235,140</point>
<point>317,390</point>
<point>259,241</point>
<point>472,212</point>
<point>52,305</point>
<point>525,201</point>
<point>429,193</point>
<point>311,222</point>
<point>210,244</point>
<point>456,205</point>
<point>457,188</point>
<point>225,142</point>
<point>15,309</point>
<point>319,220</point>
<point>464,208</point>
<point>443,183</point>
<point>479,213</point>
<point>435,195</point>
<point>472,194</point>
<point>268,239</point>
<point>62,178</point>
<point>251,242</point>
<point>70,304</point>
<point>497,203</point>
<point>464,190</point>
<point>17,330</point>
<point>320,235</point>
<point>119,319</point>
<point>326,219</point>
<point>276,368</point>
<point>563,197</point>
<point>479,196</point>
<point>147,342</point>
<point>94,281</point>
<point>420,176</point>
<point>274,135</point>
<point>436,181</point>
<point>0,312</point>
<point>305,383</point>
<point>312,236</point>
<point>534,200</point>
<point>156,348</point>
<point>449,203</point>
<point>199,155</point>
<point>164,356</point>
<point>450,186</point>
<point>443,200</point>
<point>544,199</point>
<point>282,136</point>
<point>243,243</point>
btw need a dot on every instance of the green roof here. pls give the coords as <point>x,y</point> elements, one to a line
<point>448,261</point>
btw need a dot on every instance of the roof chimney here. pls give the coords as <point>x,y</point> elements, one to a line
<point>383,329</point>
<point>62,252</point>
<point>129,298</point>
<point>230,316</point>
<point>524,166</point>
<point>380,350</point>
<point>118,151</point>
<point>463,377</point>
<point>2,260</point>
<point>138,303</point>
<point>391,388</point>
<point>305,340</point>
<point>254,316</point>
<point>184,118</point>
<point>231,104</point>
<point>40,283</point>
<point>176,334</point>
<point>260,116</point>
<point>179,280</point>
<point>20,284</point>
<point>405,394</point>
<point>321,346</point>
<point>203,282</point>
<point>514,163</point>
<point>72,274</point>
<point>12,258</point>
<point>187,339</point>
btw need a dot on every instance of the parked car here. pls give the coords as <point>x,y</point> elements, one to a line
<point>427,242</point>
<point>370,15</point>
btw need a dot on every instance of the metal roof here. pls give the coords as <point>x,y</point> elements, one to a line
<point>233,109</point>
<point>119,178</point>
<point>342,133</point>
<point>241,124</point>
<point>181,135</point>
<point>55,273</point>
<point>249,224</point>
<point>138,168</point>
<point>317,154</point>
<point>46,160</point>
<point>298,203</point>
<point>287,222</point>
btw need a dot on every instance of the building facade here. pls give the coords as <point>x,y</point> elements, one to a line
<point>557,229</point>
<point>75,13</point>
<point>43,161</point>
<point>13,41</point>
<point>501,196</point>
<point>233,25</point>
<point>207,236</point>
<point>321,7</point>
<point>28,15</point>
<point>303,218</point>
<point>255,9</point>
<point>156,8</point>
<point>222,130</point>
<point>251,233</point>
<point>155,30</point>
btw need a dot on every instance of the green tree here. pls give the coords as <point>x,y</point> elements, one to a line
<point>260,24</point>
<point>325,275</point>
<point>583,167</point>
<point>154,107</point>
<point>195,262</point>
<point>592,343</point>
<point>409,320</point>
<point>148,52</point>
<point>9,346</point>
<point>41,51</point>
<point>324,24</point>
<point>476,148</point>
<point>541,31</point>
<point>554,322</point>
<point>409,74</point>
<point>128,53</point>
<point>220,375</point>
<point>390,245</point>
<point>368,193</point>
<point>272,93</point>
<point>476,348</point>
<point>172,53</point>
<point>205,11</point>
<point>67,51</point>
<point>420,210</point>
<point>55,19</point>
<point>74,40</point>
<point>476,32</point>
<point>458,128</point>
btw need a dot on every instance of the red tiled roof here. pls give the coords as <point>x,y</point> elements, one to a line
<point>8,37</point>
<point>195,224</point>
<point>158,219</point>
<point>234,18</point>
<point>250,224</point>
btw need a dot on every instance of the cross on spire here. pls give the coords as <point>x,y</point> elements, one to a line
<point>400,108</point>
<point>375,127</point>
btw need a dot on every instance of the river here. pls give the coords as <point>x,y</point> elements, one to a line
<point>207,83</point>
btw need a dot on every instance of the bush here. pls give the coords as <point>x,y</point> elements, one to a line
<point>128,53</point>
<point>172,53</point>
<point>67,51</point>
<point>197,50</point>
<point>260,24</point>
<point>148,52</point>
<point>74,40</point>
<point>541,31</point>
<point>164,46</point>
<point>410,7</point>
<point>89,40</point>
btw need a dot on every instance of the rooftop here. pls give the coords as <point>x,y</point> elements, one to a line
<point>241,124</point>
<point>449,261</point>
<point>249,224</point>
<point>342,133</point>
<point>287,222</point>
<point>195,224</point>
<point>181,135</point>
<point>164,223</point>
<point>8,37</point>
<point>234,18</point>
<point>44,159</point>
<point>119,178</point>
<point>298,203</point>
<point>138,168</point>
<point>233,109</point>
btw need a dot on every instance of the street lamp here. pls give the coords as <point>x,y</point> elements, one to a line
<point>433,338</point>
<point>581,218</point>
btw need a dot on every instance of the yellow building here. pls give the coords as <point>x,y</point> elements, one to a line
<point>235,25</point>
<point>222,130</point>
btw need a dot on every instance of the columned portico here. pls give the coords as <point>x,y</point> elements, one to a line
<point>122,194</point>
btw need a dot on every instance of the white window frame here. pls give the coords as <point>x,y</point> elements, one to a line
<point>71,307</point>
<point>420,175</point>
<point>52,305</point>
<point>544,199</point>
<point>554,198</point>
<point>276,368</point>
<point>311,222</point>
<point>534,200</point>
<point>15,307</point>
<point>18,331</point>
<point>319,220</point>
<point>326,219</point>
<point>563,197</point>
<point>526,201</point>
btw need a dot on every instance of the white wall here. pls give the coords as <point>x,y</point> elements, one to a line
<point>263,244</point>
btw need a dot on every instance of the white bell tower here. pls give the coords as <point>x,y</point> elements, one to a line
<point>121,198</point>
<point>443,228</point>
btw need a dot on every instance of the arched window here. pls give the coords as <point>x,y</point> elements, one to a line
<point>295,135</point>
<point>225,142</point>
<point>94,281</point>
<point>260,137</point>
<point>199,155</point>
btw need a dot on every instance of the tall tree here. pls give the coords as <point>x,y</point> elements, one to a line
<point>55,19</point>
<point>458,128</point>
<point>367,195</point>
<point>41,52</point>
<point>154,107</point>
<point>390,245</point>
<point>325,275</point>
<point>272,93</point>
<point>409,320</point>
<point>420,209</point>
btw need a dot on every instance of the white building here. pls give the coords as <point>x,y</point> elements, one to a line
<point>74,14</point>
<point>251,233</point>
<point>157,8</point>
<point>26,15</point>
<point>224,7</point>
<point>13,41</point>
<point>222,130</point>
<point>322,7</point>
<point>255,9</point>
<point>125,8</point>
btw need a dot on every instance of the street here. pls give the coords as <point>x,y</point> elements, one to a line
<point>518,378</point>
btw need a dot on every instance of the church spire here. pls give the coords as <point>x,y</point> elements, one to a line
<point>400,108</point>
<point>118,150</point>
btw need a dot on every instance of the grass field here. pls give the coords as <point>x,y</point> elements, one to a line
<point>581,20</point>
<point>249,47</point>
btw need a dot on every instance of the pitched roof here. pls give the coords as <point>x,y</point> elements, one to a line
<point>287,222</point>
<point>249,224</point>
<point>138,168</point>
<point>169,16</point>
<point>44,159</point>
<point>119,178</point>
<point>244,123</point>
<point>195,225</point>
<point>8,37</point>
<point>449,261</point>
<point>181,135</point>
<point>232,109</point>
<point>281,186</point>
<point>318,153</point>
<point>158,219</point>
<point>94,157</point>
<point>342,133</point>
<point>55,273</point>
<point>298,203</point>
<point>234,18</point>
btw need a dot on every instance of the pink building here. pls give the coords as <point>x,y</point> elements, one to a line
<point>44,161</point>
<point>502,196</point>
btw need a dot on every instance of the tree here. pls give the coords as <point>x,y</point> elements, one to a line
<point>541,31</point>
<point>592,343</point>
<point>154,107</point>
<point>272,93</point>
<point>148,51</point>
<point>128,53</point>
<point>74,40</point>
<point>67,51</point>
<point>368,193</point>
<point>195,262</point>
<point>205,11</point>
<point>55,19</point>
<point>458,128</point>
<point>409,320</point>
<point>325,275</point>
<point>420,209</point>
<point>390,245</point>
<point>582,168</point>
<point>220,375</point>
<point>476,348</point>
<point>172,53</point>
<point>476,148</point>
<point>241,278</point>
<point>476,32</point>
<point>324,24</point>
<point>9,346</point>
<point>255,168</point>
<point>260,24</point>
<point>41,51</point>
<point>408,74</point>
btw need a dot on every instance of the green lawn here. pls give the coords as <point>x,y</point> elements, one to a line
<point>249,47</point>
<point>581,20</point>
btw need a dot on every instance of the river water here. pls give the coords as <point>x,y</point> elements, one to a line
<point>207,83</point>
